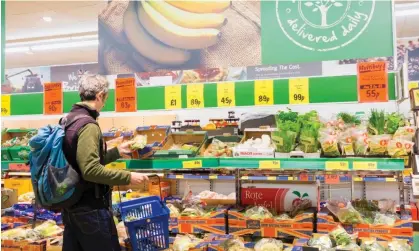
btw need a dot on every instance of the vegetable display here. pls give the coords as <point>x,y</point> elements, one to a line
<point>269,245</point>
<point>217,148</point>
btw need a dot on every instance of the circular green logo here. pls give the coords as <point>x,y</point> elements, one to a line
<point>324,25</point>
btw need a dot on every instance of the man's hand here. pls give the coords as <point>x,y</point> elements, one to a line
<point>138,178</point>
<point>125,147</point>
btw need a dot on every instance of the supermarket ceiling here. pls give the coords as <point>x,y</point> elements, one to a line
<point>37,20</point>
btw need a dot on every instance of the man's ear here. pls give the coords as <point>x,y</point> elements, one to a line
<point>99,95</point>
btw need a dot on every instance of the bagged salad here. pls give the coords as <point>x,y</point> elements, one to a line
<point>399,245</point>
<point>344,211</point>
<point>322,242</point>
<point>372,245</point>
<point>346,144</point>
<point>341,237</point>
<point>405,132</point>
<point>288,129</point>
<point>397,148</point>
<point>309,133</point>
<point>378,144</point>
<point>258,213</point>
<point>329,145</point>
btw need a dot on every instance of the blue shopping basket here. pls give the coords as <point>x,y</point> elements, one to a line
<point>147,221</point>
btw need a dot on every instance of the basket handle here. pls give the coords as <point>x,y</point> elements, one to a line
<point>158,178</point>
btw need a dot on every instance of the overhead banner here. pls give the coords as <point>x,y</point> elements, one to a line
<point>146,36</point>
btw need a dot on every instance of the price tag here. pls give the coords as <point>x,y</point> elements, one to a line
<point>192,164</point>
<point>117,165</point>
<point>245,177</point>
<point>264,92</point>
<point>53,98</point>
<point>19,167</point>
<point>269,164</point>
<point>372,82</point>
<point>213,177</point>
<point>331,179</point>
<point>298,91</point>
<point>358,179</point>
<point>412,85</point>
<point>226,96</point>
<point>179,176</point>
<point>195,96</point>
<point>337,165</point>
<point>271,178</point>
<point>390,180</point>
<point>303,177</point>
<point>172,97</point>
<point>125,95</point>
<point>365,165</point>
<point>5,105</point>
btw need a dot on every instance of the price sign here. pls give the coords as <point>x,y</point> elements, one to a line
<point>271,178</point>
<point>365,165</point>
<point>226,96</point>
<point>269,164</point>
<point>117,165</point>
<point>195,96</point>
<point>303,177</point>
<point>337,165</point>
<point>53,98</point>
<point>192,164</point>
<point>390,179</point>
<point>412,85</point>
<point>331,179</point>
<point>125,95</point>
<point>5,105</point>
<point>179,176</point>
<point>213,177</point>
<point>372,82</point>
<point>264,92</point>
<point>19,167</point>
<point>298,91</point>
<point>172,97</point>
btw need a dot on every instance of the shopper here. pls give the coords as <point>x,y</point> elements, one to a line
<point>89,224</point>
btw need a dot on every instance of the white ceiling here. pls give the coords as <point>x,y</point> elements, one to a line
<point>24,21</point>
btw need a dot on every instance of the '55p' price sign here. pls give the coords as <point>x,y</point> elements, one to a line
<point>53,98</point>
<point>125,95</point>
<point>372,82</point>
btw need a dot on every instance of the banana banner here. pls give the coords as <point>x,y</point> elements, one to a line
<point>208,37</point>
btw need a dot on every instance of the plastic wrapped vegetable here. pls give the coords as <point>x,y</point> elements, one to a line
<point>399,245</point>
<point>139,142</point>
<point>283,217</point>
<point>185,242</point>
<point>284,139</point>
<point>397,148</point>
<point>329,144</point>
<point>220,149</point>
<point>377,122</point>
<point>48,229</point>
<point>371,245</point>
<point>405,132</point>
<point>346,144</point>
<point>309,133</point>
<point>378,144</point>
<point>393,122</point>
<point>174,211</point>
<point>14,234</point>
<point>360,139</point>
<point>345,212</point>
<point>322,242</point>
<point>385,219</point>
<point>268,244</point>
<point>258,213</point>
<point>351,246</point>
<point>340,236</point>
<point>193,211</point>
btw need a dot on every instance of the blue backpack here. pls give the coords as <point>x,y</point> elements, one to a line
<point>56,184</point>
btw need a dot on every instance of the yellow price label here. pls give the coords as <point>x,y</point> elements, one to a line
<point>264,92</point>
<point>291,178</point>
<point>173,97</point>
<point>128,195</point>
<point>245,177</point>
<point>226,96</point>
<point>407,171</point>
<point>390,180</point>
<point>367,165</point>
<point>337,165</point>
<point>5,105</point>
<point>298,91</point>
<point>269,164</point>
<point>195,96</point>
<point>192,164</point>
<point>271,178</point>
<point>179,176</point>
<point>412,85</point>
<point>357,179</point>
<point>117,165</point>
<point>213,177</point>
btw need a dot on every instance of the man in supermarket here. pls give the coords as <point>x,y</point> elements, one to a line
<point>89,224</point>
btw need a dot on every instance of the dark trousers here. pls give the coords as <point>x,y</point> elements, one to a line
<point>89,230</point>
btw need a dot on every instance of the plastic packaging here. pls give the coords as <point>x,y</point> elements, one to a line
<point>346,144</point>
<point>405,132</point>
<point>185,242</point>
<point>341,237</point>
<point>344,211</point>
<point>385,219</point>
<point>258,213</point>
<point>329,145</point>
<point>398,147</point>
<point>268,244</point>
<point>371,245</point>
<point>378,144</point>
<point>322,242</point>
<point>399,245</point>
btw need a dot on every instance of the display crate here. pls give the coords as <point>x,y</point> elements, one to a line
<point>214,223</point>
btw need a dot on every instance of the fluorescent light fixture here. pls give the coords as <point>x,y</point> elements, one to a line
<point>17,49</point>
<point>406,9</point>
<point>44,47</point>
<point>402,13</point>
<point>47,45</point>
<point>47,19</point>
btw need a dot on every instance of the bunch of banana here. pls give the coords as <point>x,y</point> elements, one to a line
<point>165,31</point>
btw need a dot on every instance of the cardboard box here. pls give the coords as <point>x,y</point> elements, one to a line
<point>224,138</point>
<point>301,226</point>
<point>10,245</point>
<point>8,197</point>
<point>251,152</point>
<point>156,137</point>
<point>180,138</point>
<point>214,223</point>
<point>154,187</point>
<point>22,185</point>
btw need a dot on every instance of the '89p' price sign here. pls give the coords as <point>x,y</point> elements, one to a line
<point>53,98</point>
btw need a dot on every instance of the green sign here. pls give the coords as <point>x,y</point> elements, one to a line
<point>320,30</point>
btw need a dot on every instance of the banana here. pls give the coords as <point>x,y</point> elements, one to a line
<point>174,35</point>
<point>147,45</point>
<point>188,19</point>
<point>202,6</point>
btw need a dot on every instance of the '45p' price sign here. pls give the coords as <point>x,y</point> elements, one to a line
<point>125,95</point>
<point>53,98</point>
<point>226,96</point>
<point>372,82</point>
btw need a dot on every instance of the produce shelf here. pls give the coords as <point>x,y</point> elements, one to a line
<point>328,164</point>
<point>200,177</point>
<point>187,163</point>
<point>5,164</point>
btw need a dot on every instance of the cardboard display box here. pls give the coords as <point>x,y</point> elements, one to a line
<point>180,138</point>
<point>8,197</point>
<point>10,245</point>
<point>224,138</point>
<point>251,152</point>
<point>22,185</point>
<point>156,138</point>
<point>214,223</point>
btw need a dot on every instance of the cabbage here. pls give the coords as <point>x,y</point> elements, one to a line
<point>269,245</point>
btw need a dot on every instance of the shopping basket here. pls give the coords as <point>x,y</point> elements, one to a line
<point>147,221</point>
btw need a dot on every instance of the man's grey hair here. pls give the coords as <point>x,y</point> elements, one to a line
<point>90,85</point>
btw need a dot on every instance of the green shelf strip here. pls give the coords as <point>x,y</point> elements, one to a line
<point>321,90</point>
<point>170,163</point>
<point>5,164</point>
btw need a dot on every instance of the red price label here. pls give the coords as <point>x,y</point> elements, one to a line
<point>303,177</point>
<point>53,98</point>
<point>372,82</point>
<point>331,179</point>
<point>19,167</point>
<point>125,95</point>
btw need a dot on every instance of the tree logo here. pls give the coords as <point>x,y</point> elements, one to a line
<point>324,25</point>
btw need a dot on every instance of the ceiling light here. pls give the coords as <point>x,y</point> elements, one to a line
<point>47,19</point>
<point>17,49</point>
<point>44,47</point>
<point>406,9</point>
<point>402,13</point>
